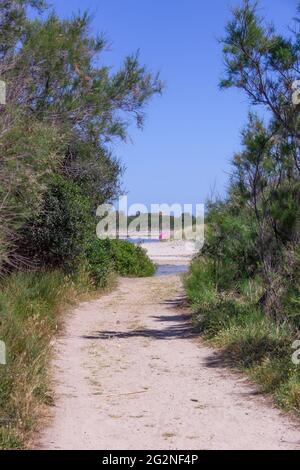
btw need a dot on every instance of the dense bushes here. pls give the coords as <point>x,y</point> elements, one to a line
<point>253,235</point>
<point>265,184</point>
<point>106,256</point>
<point>231,244</point>
<point>62,111</point>
<point>130,259</point>
<point>56,236</point>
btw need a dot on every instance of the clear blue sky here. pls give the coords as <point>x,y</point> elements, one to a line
<point>193,130</point>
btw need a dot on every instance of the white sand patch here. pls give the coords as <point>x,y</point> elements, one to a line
<point>171,252</point>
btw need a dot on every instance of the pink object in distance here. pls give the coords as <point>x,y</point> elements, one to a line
<point>163,236</point>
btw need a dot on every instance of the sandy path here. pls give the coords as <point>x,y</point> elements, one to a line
<point>130,375</point>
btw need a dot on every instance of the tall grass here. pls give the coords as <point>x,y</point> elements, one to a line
<point>247,339</point>
<point>30,307</point>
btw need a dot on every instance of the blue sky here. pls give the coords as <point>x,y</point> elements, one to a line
<point>192,131</point>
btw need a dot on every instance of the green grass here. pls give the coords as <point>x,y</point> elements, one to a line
<point>30,307</point>
<point>246,338</point>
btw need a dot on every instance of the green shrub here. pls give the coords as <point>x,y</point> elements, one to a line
<point>105,256</point>
<point>56,236</point>
<point>230,244</point>
<point>100,263</point>
<point>291,282</point>
<point>131,260</point>
<point>213,311</point>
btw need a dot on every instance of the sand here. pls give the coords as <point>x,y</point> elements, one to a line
<point>129,373</point>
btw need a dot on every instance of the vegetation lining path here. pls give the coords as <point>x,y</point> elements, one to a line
<point>130,374</point>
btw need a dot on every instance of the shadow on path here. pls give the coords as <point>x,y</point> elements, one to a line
<point>182,329</point>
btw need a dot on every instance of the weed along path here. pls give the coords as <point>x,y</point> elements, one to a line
<point>129,373</point>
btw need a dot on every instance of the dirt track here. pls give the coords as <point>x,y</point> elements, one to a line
<point>129,374</point>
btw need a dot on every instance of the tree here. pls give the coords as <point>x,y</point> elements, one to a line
<point>63,111</point>
<point>264,195</point>
<point>265,65</point>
